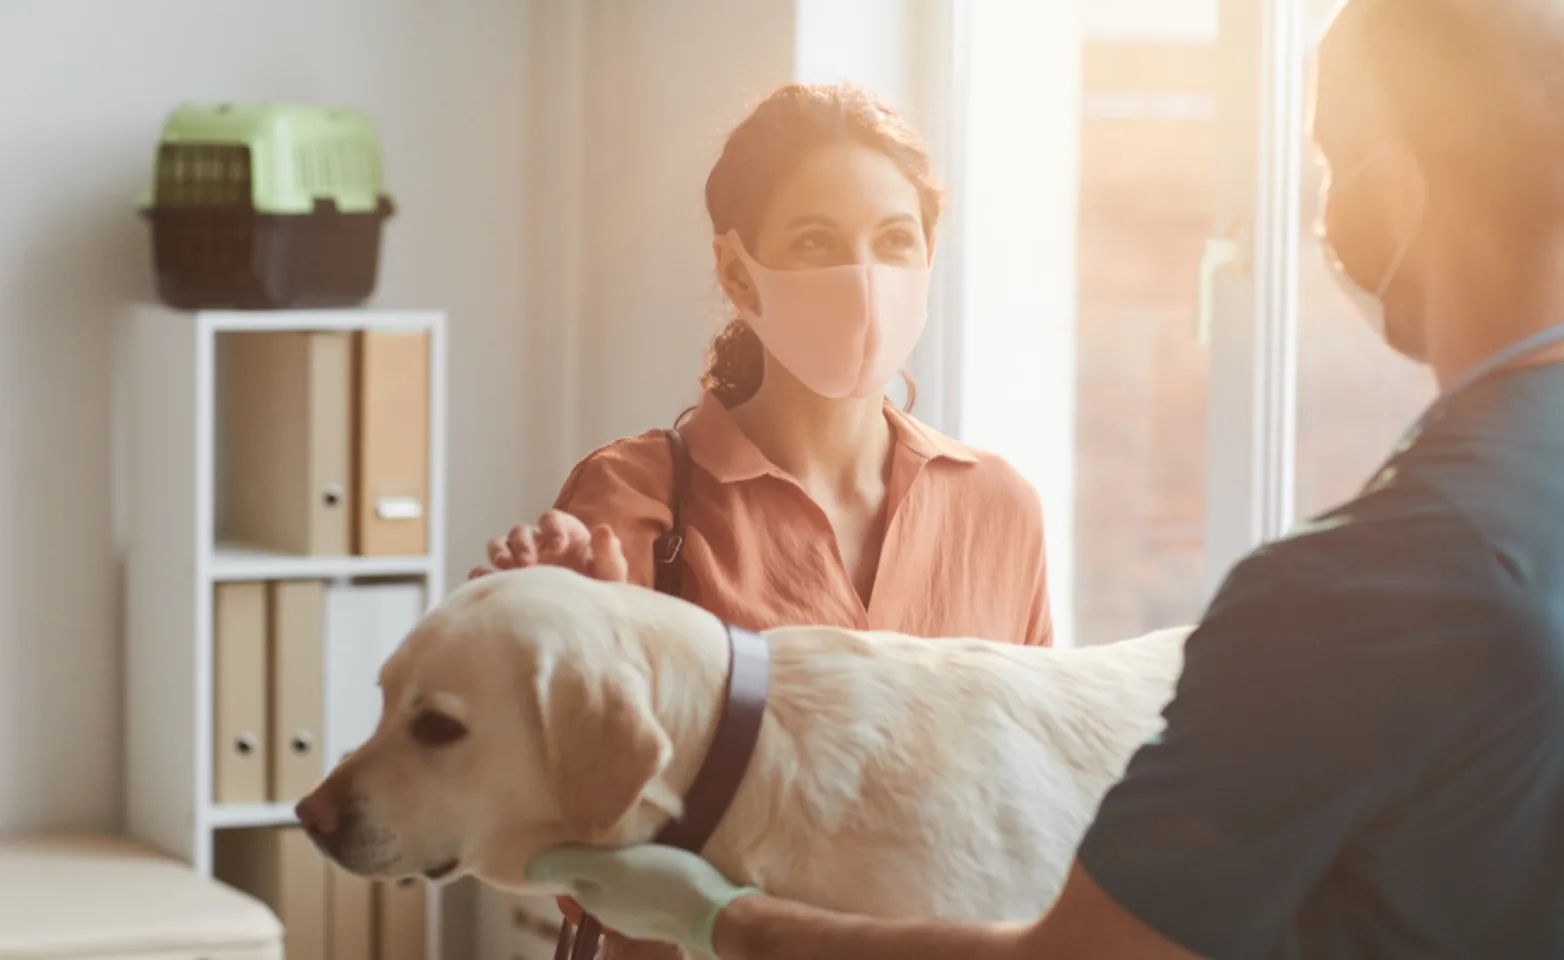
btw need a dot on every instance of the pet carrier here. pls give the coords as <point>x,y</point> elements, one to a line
<point>266,206</point>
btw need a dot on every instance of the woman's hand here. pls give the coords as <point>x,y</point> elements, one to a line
<point>559,540</point>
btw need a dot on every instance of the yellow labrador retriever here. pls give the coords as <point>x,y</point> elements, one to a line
<point>893,776</point>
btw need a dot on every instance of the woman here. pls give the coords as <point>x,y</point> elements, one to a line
<point>811,499</point>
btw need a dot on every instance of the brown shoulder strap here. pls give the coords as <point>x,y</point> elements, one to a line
<point>666,551</point>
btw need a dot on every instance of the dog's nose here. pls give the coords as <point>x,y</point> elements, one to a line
<point>317,814</point>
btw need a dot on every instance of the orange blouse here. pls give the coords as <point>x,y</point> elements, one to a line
<point>963,551</point>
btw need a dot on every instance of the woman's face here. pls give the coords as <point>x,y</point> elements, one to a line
<point>843,205</point>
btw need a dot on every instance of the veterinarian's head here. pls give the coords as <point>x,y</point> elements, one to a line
<point>516,716</point>
<point>823,209</point>
<point>1442,124</point>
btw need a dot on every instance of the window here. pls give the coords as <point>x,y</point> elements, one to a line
<point>1162,454</point>
<point>1083,199</point>
<point>1146,197</point>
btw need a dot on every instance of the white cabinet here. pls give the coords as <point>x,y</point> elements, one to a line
<point>169,443</point>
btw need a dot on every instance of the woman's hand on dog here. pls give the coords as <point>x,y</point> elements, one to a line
<point>559,540</point>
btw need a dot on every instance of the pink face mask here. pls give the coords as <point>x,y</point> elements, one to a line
<point>842,331</point>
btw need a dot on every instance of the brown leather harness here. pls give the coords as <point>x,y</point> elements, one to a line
<point>738,725</point>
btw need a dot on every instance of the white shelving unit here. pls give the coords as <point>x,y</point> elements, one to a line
<point>168,439</point>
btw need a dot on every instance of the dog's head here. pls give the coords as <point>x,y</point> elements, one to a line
<point>517,715</point>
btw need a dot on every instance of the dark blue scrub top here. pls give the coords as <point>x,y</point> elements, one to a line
<point>1365,754</point>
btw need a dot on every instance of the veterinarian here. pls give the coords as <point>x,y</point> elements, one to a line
<point>1365,754</point>
<point>808,498</point>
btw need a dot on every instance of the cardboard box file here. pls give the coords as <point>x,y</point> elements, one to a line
<point>281,868</point>
<point>401,920</point>
<point>285,435</point>
<point>391,469</point>
<point>297,685</point>
<point>351,900</point>
<point>240,734</point>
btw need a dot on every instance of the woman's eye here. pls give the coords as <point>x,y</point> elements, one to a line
<point>434,729</point>
<point>899,241</point>
<point>814,242</point>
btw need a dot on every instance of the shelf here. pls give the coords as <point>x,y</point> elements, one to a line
<point>274,321</point>
<point>232,562</point>
<point>172,370</point>
<point>251,815</point>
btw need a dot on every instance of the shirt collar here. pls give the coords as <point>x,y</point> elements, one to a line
<point>925,442</point>
<point>718,445</point>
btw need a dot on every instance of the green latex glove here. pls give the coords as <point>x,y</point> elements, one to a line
<point>647,892</point>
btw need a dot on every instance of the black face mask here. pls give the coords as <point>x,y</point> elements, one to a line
<point>1366,254</point>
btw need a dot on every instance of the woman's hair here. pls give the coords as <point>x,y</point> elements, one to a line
<point>766,148</point>
<point>1475,88</point>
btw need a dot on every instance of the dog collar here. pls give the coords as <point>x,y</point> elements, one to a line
<point>717,781</point>
<point>732,746</point>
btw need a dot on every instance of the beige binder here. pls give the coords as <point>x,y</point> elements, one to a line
<point>297,682</point>
<point>352,912</point>
<point>285,435</point>
<point>400,916</point>
<point>391,476</point>
<point>239,729</point>
<point>281,868</point>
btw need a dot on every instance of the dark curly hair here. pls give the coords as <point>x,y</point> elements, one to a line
<point>765,149</point>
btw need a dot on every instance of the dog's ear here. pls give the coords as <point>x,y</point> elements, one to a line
<point>605,748</point>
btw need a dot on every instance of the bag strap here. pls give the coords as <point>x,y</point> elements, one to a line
<point>668,547</point>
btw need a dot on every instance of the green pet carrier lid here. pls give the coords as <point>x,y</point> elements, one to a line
<point>280,158</point>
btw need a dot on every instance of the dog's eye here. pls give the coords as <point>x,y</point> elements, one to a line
<point>436,729</point>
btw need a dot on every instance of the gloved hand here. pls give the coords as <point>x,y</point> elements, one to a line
<point>647,892</point>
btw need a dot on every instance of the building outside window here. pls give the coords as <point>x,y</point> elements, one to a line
<point>1149,152</point>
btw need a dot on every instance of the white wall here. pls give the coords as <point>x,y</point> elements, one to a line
<point>630,111</point>
<point>87,85</point>
<point>868,42</point>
